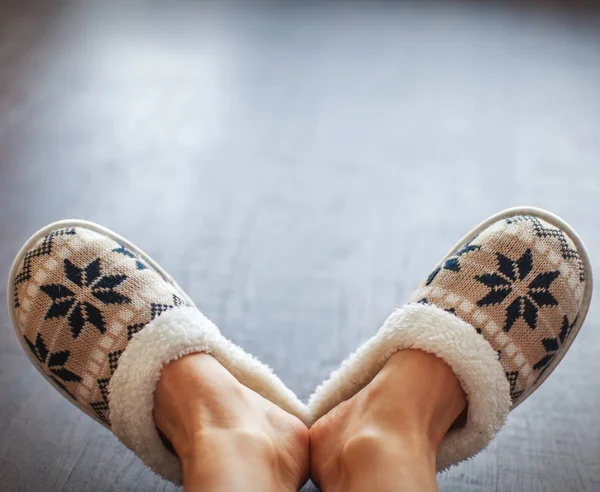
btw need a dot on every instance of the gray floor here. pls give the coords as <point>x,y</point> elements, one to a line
<point>298,167</point>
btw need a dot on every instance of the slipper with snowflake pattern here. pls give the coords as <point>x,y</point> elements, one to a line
<point>501,309</point>
<point>99,319</point>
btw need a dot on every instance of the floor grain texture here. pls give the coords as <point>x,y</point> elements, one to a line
<point>299,168</point>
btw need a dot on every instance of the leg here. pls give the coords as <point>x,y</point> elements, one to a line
<point>386,437</point>
<point>228,437</point>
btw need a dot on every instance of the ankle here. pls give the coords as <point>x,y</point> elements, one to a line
<point>375,459</point>
<point>233,458</point>
<point>380,445</point>
<point>209,448</point>
<point>386,437</point>
<point>187,402</point>
<point>433,395</point>
<point>225,433</point>
<point>209,441</point>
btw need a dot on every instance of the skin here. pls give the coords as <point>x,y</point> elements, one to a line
<point>228,437</point>
<point>384,438</point>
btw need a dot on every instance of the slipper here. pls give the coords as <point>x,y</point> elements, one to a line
<point>99,319</point>
<point>501,309</point>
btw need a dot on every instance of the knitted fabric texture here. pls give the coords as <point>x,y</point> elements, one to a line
<point>79,298</point>
<point>519,283</point>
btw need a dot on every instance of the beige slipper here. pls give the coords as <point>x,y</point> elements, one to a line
<point>501,309</point>
<point>99,319</point>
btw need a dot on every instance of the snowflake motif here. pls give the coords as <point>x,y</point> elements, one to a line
<point>513,378</point>
<point>540,231</point>
<point>453,263</point>
<point>101,408</point>
<point>54,362</point>
<point>45,248</point>
<point>514,277</point>
<point>75,300</point>
<point>125,252</point>
<point>553,344</point>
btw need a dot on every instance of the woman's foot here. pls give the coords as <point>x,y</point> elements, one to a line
<point>228,437</point>
<point>386,436</point>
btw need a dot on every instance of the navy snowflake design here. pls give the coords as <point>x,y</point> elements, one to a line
<point>453,263</point>
<point>513,378</point>
<point>45,248</point>
<point>78,298</point>
<point>101,407</point>
<point>54,362</point>
<point>553,344</point>
<point>514,277</point>
<point>125,252</point>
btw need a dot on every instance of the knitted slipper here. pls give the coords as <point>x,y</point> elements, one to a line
<point>99,319</point>
<point>501,309</point>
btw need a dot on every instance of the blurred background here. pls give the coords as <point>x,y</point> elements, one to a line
<point>299,167</point>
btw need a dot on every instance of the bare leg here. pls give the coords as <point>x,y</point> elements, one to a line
<point>386,437</point>
<point>228,437</point>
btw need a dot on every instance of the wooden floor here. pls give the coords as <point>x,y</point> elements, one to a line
<point>299,168</point>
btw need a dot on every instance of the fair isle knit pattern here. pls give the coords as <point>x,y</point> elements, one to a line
<point>520,284</point>
<point>79,297</point>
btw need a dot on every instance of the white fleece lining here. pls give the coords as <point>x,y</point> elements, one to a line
<point>431,329</point>
<point>172,335</point>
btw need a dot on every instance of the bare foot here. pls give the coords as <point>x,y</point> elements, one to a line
<point>228,437</point>
<point>385,437</point>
